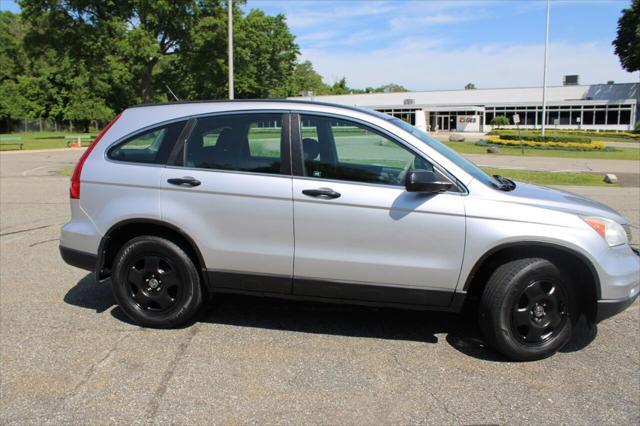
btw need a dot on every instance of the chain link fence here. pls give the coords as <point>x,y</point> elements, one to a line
<point>46,125</point>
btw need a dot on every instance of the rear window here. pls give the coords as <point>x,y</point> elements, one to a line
<point>150,147</point>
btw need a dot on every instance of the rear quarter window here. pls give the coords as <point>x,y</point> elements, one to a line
<point>149,147</point>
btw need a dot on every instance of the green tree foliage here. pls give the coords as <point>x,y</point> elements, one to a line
<point>500,120</point>
<point>470,86</point>
<point>85,60</point>
<point>627,42</point>
<point>390,88</point>
<point>306,79</point>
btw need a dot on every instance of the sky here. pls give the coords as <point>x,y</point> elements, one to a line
<point>434,45</point>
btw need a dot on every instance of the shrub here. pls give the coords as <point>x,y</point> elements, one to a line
<point>539,138</point>
<point>500,120</point>
<point>569,146</point>
<point>588,133</point>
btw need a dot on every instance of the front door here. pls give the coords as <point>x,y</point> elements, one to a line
<point>231,192</point>
<point>358,233</point>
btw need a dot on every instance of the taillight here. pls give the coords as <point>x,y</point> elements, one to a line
<point>74,191</point>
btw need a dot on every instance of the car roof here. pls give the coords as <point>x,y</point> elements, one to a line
<point>273,102</point>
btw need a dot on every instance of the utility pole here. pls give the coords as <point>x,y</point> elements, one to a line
<point>230,45</point>
<point>544,74</point>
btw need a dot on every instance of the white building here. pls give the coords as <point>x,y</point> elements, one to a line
<point>588,107</point>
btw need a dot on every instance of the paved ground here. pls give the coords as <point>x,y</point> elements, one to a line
<point>67,354</point>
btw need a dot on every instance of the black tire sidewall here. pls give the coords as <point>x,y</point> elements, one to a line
<point>505,339</point>
<point>191,293</point>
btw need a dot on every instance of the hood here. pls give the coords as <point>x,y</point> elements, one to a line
<point>541,196</point>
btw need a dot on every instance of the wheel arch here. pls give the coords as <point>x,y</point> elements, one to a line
<point>482,269</point>
<point>121,232</point>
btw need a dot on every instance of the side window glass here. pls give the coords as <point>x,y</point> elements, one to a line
<point>152,146</point>
<point>344,150</point>
<point>249,143</point>
<point>264,139</point>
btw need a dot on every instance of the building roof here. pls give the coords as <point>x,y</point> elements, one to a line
<point>594,93</point>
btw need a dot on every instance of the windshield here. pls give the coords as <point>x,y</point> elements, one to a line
<point>441,148</point>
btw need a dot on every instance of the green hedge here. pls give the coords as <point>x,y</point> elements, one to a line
<point>579,133</point>
<point>485,143</point>
<point>539,138</point>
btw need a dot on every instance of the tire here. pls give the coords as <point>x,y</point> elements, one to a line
<point>156,283</point>
<point>528,309</point>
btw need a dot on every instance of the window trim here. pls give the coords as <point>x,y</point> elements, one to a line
<point>285,142</point>
<point>296,139</point>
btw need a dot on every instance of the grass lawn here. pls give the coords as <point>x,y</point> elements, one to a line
<point>620,154</point>
<point>42,140</point>
<point>550,178</point>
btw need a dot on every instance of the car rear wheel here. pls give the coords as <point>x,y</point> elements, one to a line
<point>156,283</point>
<point>527,310</point>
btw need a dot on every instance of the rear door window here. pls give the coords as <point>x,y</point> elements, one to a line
<point>152,146</point>
<point>246,143</point>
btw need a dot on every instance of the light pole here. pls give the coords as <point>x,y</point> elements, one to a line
<point>230,44</point>
<point>544,73</point>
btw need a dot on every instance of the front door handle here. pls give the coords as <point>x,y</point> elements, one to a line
<point>326,193</point>
<point>184,181</point>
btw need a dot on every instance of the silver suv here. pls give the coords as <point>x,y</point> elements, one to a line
<point>325,202</point>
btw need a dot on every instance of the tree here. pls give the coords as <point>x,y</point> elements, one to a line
<point>391,88</point>
<point>306,79</point>
<point>266,54</point>
<point>469,86</point>
<point>627,42</point>
<point>120,53</point>
<point>499,121</point>
<point>340,87</point>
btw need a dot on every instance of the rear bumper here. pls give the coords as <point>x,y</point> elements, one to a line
<point>609,308</point>
<point>79,259</point>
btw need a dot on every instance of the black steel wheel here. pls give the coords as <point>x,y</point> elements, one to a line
<point>527,310</point>
<point>540,311</point>
<point>156,283</point>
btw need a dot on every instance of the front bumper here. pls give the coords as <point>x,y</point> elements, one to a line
<point>609,308</point>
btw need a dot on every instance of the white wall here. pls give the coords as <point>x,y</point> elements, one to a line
<point>468,123</point>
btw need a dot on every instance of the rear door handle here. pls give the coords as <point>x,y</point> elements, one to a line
<point>326,193</point>
<point>184,181</point>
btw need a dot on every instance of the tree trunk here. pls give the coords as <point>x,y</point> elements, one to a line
<point>146,89</point>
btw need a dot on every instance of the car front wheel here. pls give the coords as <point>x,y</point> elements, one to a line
<point>527,310</point>
<point>156,283</point>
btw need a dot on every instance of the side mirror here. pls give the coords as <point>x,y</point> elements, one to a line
<point>426,182</point>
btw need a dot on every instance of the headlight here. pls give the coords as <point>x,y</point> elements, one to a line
<point>612,232</point>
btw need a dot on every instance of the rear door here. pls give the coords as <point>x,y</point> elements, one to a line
<point>229,188</point>
<point>359,234</point>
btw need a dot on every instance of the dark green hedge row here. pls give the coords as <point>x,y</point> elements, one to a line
<point>539,138</point>
<point>551,148</point>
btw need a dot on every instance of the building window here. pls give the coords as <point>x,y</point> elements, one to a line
<point>625,117</point>
<point>587,117</point>
<point>601,116</point>
<point>488,117</point>
<point>575,117</point>
<point>612,117</point>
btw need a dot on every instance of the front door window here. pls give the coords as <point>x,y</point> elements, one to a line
<point>344,150</point>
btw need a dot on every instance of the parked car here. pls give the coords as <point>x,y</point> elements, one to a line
<point>324,202</point>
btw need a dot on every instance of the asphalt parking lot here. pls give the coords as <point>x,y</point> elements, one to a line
<point>68,355</point>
